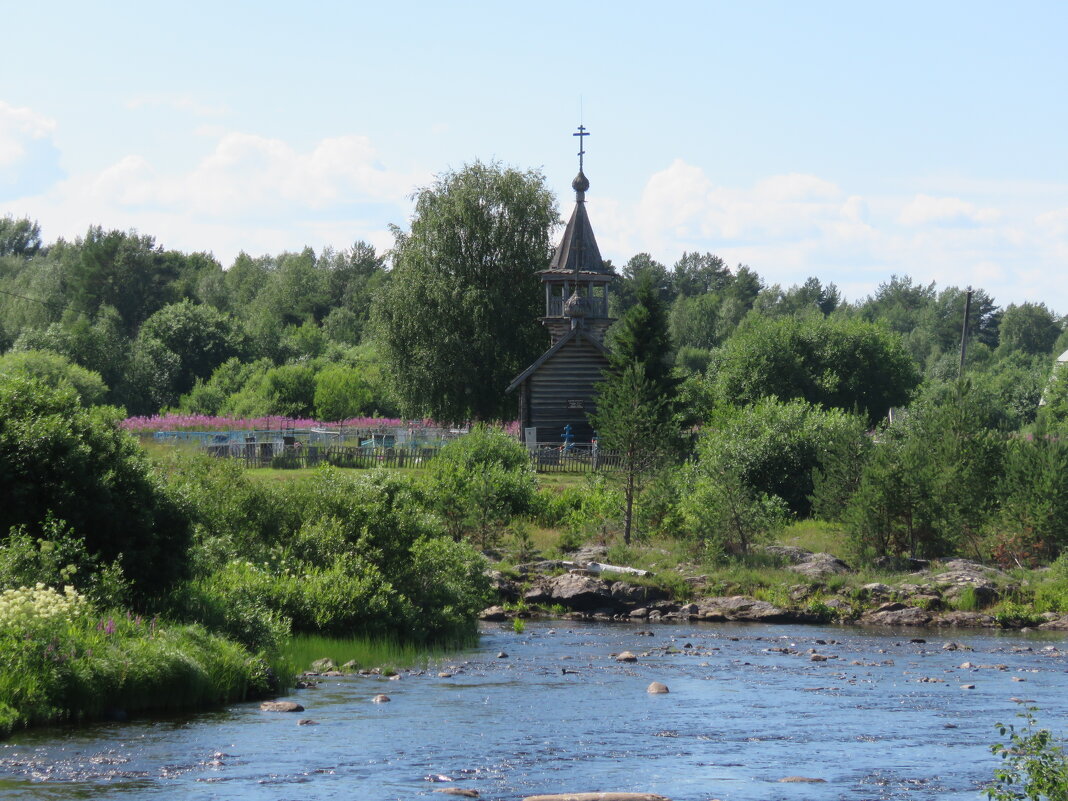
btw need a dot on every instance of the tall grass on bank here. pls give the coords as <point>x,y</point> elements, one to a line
<point>300,651</point>
<point>61,661</point>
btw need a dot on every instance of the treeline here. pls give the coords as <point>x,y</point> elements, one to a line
<point>295,334</point>
<point>273,335</point>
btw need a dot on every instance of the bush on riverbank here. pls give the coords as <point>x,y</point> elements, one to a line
<point>63,462</point>
<point>340,553</point>
<point>60,660</point>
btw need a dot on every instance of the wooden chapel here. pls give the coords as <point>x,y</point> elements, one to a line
<point>558,389</point>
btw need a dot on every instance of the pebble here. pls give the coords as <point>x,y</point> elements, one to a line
<point>656,688</point>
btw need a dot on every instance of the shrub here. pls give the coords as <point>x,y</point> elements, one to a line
<point>60,459</point>
<point>598,516</point>
<point>723,515</point>
<point>56,371</point>
<point>480,481</point>
<point>1031,526</point>
<point>75,666</point>
<point>26,608</point>
<point>775,446</point>
<point>336,553</point>
<point>1033,766</point>
<point>552,507</point>
<point>930,485</point>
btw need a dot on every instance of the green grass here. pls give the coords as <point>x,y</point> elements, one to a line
<point>816,536</point>
<point>58,671</point>
<point>561,481</point>
<point>303,649</point>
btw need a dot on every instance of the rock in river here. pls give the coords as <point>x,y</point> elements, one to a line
<point>281,706</point>
<point>656,688</point>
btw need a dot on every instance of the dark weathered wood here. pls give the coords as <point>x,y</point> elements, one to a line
<point>564,380</point>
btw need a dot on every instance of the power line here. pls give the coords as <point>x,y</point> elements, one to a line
<point>49,304</point>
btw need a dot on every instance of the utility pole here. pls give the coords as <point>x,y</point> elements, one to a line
<point>964,332</point>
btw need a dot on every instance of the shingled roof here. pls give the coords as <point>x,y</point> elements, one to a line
<point>578,251</point>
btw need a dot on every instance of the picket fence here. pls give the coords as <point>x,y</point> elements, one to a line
<point>544,459</point>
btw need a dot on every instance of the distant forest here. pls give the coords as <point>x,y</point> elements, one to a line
<point>294,334</point>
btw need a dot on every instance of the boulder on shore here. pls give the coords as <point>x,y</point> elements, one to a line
<point>581,593</point>
<point>897,615</point>
<point>818,565</point>
<point>742,607</point>
<point>493,613</point>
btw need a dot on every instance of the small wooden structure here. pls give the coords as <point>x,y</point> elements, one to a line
<point>558,389</point>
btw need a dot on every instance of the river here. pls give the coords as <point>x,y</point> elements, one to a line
<point>556,712</point>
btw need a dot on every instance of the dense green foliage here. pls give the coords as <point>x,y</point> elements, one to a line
<point>55,370</point>
<point>637,400</point>
<point>63,661</point>
<point>338,553</point>
<point>62,461</point>
<point>459,318</point>
<point>479,482</point>
<point>832,362</point>
<point>1033,766</point>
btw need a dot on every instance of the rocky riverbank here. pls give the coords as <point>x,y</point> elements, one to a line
<point>924,594</point>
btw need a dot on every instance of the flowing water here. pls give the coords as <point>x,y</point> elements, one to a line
<point>882,718</point>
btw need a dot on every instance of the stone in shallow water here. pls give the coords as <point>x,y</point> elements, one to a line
<point>460,791</point>
<point>281,706</point>
<point>803,780</point>
<point>626,656</point>
<point>381,698</point>
<point>598,797</point>
<point>656,688</point>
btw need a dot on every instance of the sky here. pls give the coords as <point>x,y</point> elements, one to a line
<point>847,141</point>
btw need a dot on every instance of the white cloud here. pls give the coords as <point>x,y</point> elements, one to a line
<point>681,203</point>
<point>19,126</point>
<point>1011,240</point>
<point>184,103</point>
<point>928,210</point>
<point>249,174</point>
<point>247,192</point>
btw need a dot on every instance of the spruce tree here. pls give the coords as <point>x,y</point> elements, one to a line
<point>636,401</point>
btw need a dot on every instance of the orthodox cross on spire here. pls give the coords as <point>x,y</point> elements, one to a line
<point>582,144</point>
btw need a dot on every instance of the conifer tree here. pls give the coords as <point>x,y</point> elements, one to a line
<point>636,401</point>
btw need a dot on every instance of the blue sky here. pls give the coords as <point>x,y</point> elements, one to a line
<point>848,141</point>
